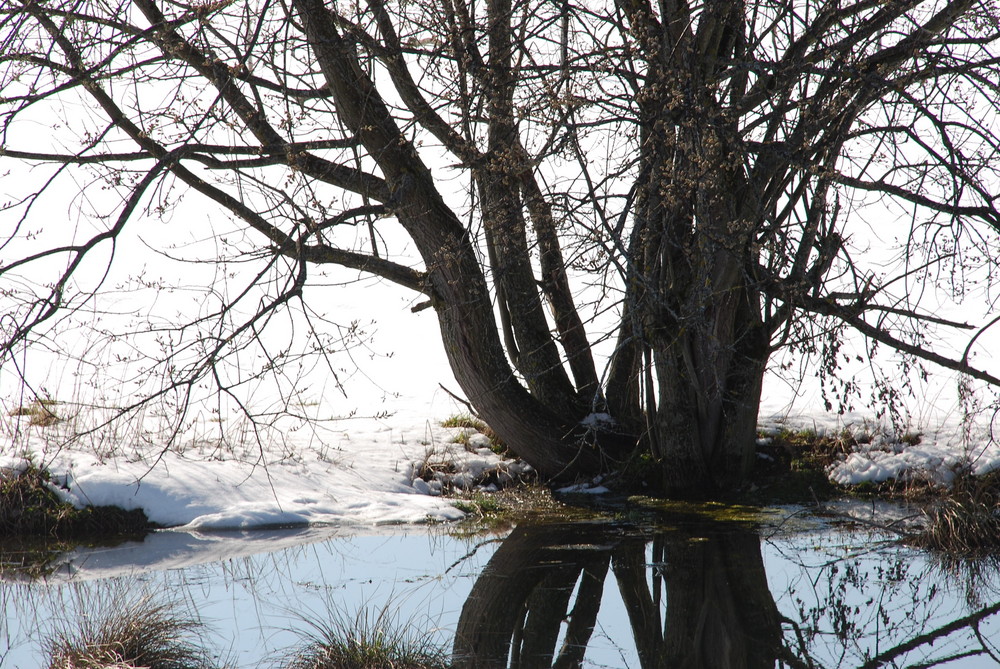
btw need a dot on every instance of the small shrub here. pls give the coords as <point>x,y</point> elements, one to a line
<point>961,527</point>
<point>131,634</point>
<point>809,449</point>
<point>369,641</point>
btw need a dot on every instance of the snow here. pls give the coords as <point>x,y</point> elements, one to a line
<point>343,469</point>
<point>368,478</point>
<point>365,473</point>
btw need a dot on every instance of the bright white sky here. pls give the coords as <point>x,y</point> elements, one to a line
<point>353,470</point>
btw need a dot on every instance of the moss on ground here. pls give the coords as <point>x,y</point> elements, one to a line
<point>30,506</point>
<point>470,423</point>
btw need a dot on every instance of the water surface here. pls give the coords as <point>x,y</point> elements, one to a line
<point>636,592</point>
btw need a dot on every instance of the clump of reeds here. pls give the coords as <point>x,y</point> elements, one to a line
<point>140,633</point>
<point>368,641</point>
<point>966,521</point>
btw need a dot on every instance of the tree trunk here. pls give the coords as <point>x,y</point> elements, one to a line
<point>692,324</point>
<point>709,397</point>
<point>549,440</point>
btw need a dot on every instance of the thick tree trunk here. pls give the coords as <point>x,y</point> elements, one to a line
<point>709,396</point>
<point>548,439</point>
<point>692,330</point>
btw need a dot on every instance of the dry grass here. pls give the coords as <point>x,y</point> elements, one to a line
<point>966,520</point>
<point>134,634</point>
<point>40,412</point>
<point>368,641</point>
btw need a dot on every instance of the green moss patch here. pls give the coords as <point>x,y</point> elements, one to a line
<point>480,505</point>
<point>501,510</point>
<point>471,425</point>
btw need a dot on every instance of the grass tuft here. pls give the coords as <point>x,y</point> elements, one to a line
<point>130,634</point>
<point>966,522</point>
<point>369,641</point>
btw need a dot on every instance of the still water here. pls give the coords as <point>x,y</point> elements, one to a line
<point>794,591</point>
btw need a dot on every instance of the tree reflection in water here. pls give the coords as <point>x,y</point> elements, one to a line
<point>692,596</point>
<point>698,597</point>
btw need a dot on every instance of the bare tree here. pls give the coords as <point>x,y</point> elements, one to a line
<point>690,172</point>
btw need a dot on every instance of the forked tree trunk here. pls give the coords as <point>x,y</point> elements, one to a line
<point>690,307</point>
<point>533,426</point>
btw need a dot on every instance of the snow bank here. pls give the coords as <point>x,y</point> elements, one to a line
<point>368,477</point>
<point>943,448</point>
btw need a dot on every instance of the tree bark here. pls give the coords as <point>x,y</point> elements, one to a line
<point>548,439</point>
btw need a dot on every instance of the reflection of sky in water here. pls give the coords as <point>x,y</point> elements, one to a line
<point>857,600</point>
<point>849,599</point>
<point>252,603</point>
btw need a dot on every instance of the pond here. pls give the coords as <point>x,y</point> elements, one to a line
<point>677,590</point>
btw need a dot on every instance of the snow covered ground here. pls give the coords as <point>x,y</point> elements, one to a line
<point>357,463</point>
<point>364,471</point>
